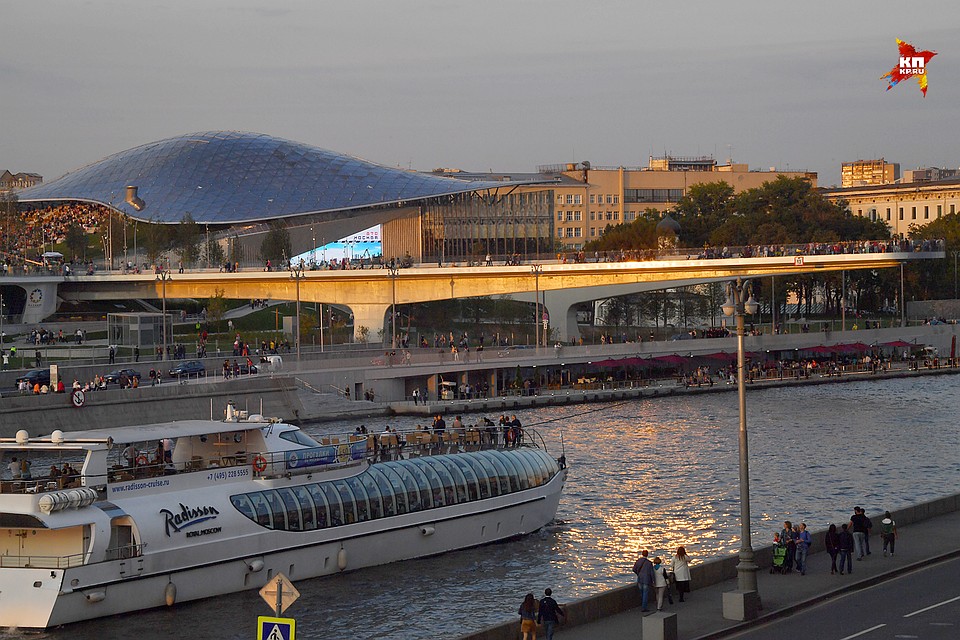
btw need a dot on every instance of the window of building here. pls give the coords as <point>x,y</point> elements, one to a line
<point>616,199</point>
<point>559,216</point>
<point>888,214</point>
<point>629,216</point>
<point>559,233</point>
<point>926,212</point>
<point>569,216</point>
<point>860,212</point>
<point>953,208</point>
<point>609,198</point>
<point>593,232</point>
<point>593,198</point>
<point>559,198</point>
<point>609,215</point>
<point>616,215</point>
<point>578,199</point>
<point>578,215</point>
<point>569,232</point>
<point>651,195</point>
<point>913,213</point>
<point>569,198</point>
<point>593,216</point>
<point>577,232</point>
<point>901,213</point>
<point>939,210</point>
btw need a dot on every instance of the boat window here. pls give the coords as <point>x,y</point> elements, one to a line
<point>503,477</point>
<point>360,494</point>
<point>386,491</point>
<point>307,508</point>
<point>277,508</point>
<point>299,437</point>
<point>333,500</point>
<point>373,494</point>
<point>449,495</point>
<point>242,504</point>
<point>533,469</point>
<point>513,472</point>
<point>473,490</point>
<point>323,511</point>
<point>264,518</point>
<point>492,484</point>
<point>348,500</point>
<point>419,472</point>
<point>459,481</point>
<point>396,485</point>
<point>403,469</point>
<point>292,510</point>
<point>436,485</point>
<point>526,471</point>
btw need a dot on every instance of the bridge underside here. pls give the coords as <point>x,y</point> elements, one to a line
<point>370,293</point>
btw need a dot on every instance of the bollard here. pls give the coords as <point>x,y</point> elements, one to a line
<point>660,626</point>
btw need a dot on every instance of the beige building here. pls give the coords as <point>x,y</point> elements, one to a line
<point>866,172</point>
<point>901,205</point>
<point>13,181</point>
<point>588,198</point>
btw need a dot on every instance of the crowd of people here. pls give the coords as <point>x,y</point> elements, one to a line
<point>655,578</point>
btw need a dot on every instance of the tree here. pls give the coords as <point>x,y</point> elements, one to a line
<point>76,241</point>
<point>213,253</point>
<point>155,240</point>
<point>216,307</point>
<point>186,237</point>
<point>10,219</point>
<point>276,245</point>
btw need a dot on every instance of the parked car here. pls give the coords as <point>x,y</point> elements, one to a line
<point>114,376</point>
<point>36,376</point>
<point>189,369</point>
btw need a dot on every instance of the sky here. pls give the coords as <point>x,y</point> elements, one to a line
<point>501,85</point>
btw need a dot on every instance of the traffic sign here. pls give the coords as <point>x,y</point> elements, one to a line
<point>279,593</point>
<point>77,398</point>
<point>276,628</point>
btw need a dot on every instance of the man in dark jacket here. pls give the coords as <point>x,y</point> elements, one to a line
<point>549,613</point>
<point>644,570</point>
<point>846,549</point>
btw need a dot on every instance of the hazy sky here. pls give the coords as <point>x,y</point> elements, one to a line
<point>488,84</point>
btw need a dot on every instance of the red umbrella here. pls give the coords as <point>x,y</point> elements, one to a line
<point>898,344</point>
<point>673,359</point>
<point>721,355</point>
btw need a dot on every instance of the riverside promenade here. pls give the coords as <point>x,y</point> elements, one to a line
<point>616,615</point>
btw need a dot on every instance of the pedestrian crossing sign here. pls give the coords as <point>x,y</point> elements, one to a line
<point>276,628</point>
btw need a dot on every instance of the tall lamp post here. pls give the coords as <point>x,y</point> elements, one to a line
<point>536,270</point>
<point>296,272</point>
<point>394,270</point>
<point>736,306</point>
<point>163,276</point>
<point>955,254</point>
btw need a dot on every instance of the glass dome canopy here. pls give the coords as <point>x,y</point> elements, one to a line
<point>227,177</point>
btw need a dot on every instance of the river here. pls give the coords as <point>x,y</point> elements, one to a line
<point>654,473</point>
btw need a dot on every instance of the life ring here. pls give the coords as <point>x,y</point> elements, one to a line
<point>259,464</point>
<point>141,460</point>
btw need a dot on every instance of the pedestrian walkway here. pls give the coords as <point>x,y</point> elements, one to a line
<point>701,617</point>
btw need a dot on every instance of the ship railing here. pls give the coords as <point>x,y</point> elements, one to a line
<point>122,552</point>
<point>42,562</point>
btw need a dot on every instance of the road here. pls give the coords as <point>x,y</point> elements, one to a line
<point>923,604</point>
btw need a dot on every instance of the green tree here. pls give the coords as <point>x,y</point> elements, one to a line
<point>155,240</point>
<point>186,238</point>
<point>216,307</point>
<point>213,253</point>
<point>76,241</point>
<point>276,245</point>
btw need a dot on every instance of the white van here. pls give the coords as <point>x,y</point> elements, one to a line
<point>270,364</point>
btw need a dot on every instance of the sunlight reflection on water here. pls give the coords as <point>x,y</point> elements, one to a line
<point>655,474</point>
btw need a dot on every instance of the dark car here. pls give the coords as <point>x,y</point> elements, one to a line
<point>36,376</point>
<point>189,369</point>
<point>247,369</point>
<point>114,376</point>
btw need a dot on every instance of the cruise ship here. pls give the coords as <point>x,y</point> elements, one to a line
<point>110,521</point>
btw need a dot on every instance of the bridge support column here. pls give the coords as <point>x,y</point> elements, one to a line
<point>563,318</point>
<point>373,317</point>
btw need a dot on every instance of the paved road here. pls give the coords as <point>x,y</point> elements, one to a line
<point>923,604</point>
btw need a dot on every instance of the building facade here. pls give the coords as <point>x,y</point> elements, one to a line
<point>587,198</point>
<point>14,181</point>
<point>900,206</point>
<point>867,172</point>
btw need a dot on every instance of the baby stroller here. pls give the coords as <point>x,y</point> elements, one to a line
<point>779,559</point>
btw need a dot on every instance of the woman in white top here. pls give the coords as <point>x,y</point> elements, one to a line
<point>681,572</point>
<point>660,582</point>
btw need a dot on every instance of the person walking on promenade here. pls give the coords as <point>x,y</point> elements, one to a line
<point>832,542</point>
<point>644,570</point>
<point>846,549</point>
<point>803,546</point>
<point>866,538</point>
<point>858,525</point>
<point>681,572</point>
<point>888,531</point>
<point>788,539</point>
<point>549,613</point>
<point>660,582</point>
<point>528,617</point>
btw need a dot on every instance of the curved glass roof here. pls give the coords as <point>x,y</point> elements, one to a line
<point>228,177</point>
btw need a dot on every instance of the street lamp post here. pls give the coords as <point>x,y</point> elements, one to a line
<point>536,270</point>
<point>297,275</point>
<point>394,270</point>
<point>163,276</point>
<point>955,254</point>
<point>737,306</point>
